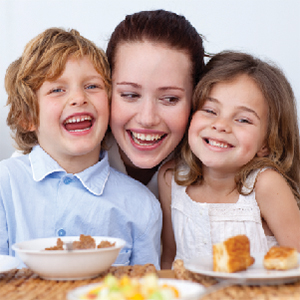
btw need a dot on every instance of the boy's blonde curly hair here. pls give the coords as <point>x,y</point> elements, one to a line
<point>44,59</point>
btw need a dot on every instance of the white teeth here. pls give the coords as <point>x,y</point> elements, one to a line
<point>77,119</point>
<point>217,144</point>
<point>146,137</point>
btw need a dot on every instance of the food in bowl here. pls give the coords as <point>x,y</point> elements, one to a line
<point>85,242</point>
<point>281,258</point>
<point>232,255</point>
<point>67,265</point>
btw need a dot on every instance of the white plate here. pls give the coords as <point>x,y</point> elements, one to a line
<point>187,289</point>
<point>254,275</point>
<point>8,263</point>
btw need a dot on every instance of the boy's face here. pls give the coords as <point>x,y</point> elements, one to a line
<point>73,115</point>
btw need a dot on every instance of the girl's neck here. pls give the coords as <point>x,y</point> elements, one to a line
<point>215,188</point>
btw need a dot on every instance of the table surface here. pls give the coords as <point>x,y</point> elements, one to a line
<point>23,284</point>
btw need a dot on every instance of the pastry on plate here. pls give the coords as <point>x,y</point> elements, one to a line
<point>232,255</point>
<point>281,258</point>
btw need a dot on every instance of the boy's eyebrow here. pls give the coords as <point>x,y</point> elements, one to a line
<point>136,85</point>
<point>242,107</point>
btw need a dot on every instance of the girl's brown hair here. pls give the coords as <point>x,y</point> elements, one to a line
<point>44,58</point>
<point>282,133</point>
<point>159,26</point>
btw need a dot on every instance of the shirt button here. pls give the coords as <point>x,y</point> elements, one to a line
<point>67,180</point>
<point>61,232</point>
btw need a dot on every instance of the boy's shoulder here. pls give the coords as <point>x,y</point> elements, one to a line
<point>126,183</point>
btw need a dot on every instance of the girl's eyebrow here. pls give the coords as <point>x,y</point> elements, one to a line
<point>241,107</point>
<point>136,85</point>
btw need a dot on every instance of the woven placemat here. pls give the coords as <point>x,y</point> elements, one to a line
<point>23,284</point>
<point>271,292</point>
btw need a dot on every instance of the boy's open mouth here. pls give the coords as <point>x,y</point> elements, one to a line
<point>78,123</point>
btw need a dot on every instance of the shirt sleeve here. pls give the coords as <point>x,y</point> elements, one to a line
<point>147,246</point>
<point>3,223</point>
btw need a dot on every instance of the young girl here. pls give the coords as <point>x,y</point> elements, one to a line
<point>238,172</point>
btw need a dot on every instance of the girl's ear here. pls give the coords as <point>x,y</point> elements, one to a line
<point>264,151</point>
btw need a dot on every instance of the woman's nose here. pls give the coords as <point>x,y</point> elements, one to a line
<point>148,115</point>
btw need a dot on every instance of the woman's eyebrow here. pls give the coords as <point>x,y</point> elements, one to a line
<point>135,85</point>
<point>165,88</point>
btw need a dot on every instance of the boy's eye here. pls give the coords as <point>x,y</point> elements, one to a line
<point>92,86</point>
<point>56,90</point>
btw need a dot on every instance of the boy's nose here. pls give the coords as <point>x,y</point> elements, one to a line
<point>78,98</point>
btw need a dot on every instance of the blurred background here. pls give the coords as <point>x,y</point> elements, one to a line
<point>269,29</point>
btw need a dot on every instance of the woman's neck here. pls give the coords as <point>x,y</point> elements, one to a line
<point>142,175</point>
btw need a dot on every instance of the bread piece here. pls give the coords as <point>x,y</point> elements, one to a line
<point>232,255</point>
<point>281,258</point>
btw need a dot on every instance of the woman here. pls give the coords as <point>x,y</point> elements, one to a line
<point>156,59</point>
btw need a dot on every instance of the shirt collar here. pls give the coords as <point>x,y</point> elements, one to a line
<point>93,178</point>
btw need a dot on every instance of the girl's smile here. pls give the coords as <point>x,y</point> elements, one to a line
<point>230,128</point>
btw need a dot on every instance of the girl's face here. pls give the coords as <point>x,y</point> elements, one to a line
<point>151,101</point>
<point>230,128</point>
<point>73,115</point>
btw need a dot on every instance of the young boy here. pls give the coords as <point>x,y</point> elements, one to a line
<point>58,94</point>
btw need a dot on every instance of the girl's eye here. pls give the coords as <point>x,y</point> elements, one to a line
<point>209,111</point>
<point>243,120</point>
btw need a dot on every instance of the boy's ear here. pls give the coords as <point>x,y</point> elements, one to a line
<point>264,151</point>
<point>28,127</point>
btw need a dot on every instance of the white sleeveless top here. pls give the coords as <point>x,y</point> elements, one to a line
<point>197,226</point>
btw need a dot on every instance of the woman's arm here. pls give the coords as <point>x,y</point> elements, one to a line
<point>168,240</point>
<point>278,208</point>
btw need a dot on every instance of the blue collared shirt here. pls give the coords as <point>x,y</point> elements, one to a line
<point>40,199</point>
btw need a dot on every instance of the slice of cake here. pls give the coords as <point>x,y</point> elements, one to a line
<point>281,258</point>
<point>232,255</point>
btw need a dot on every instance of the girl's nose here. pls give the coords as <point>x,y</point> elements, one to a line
<point>148,114</point>
<point>221,125</point>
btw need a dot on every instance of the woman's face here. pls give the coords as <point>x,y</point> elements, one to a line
<point>151,101</point>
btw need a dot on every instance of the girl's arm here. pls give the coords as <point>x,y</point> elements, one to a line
<point>168,240</point>
<point>278,208</point>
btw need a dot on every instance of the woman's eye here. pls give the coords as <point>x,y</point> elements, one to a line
<point>130,96</point>
<point>170,99</point>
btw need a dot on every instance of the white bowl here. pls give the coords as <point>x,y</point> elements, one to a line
<point>188,290</point>
<point>67,265</point>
